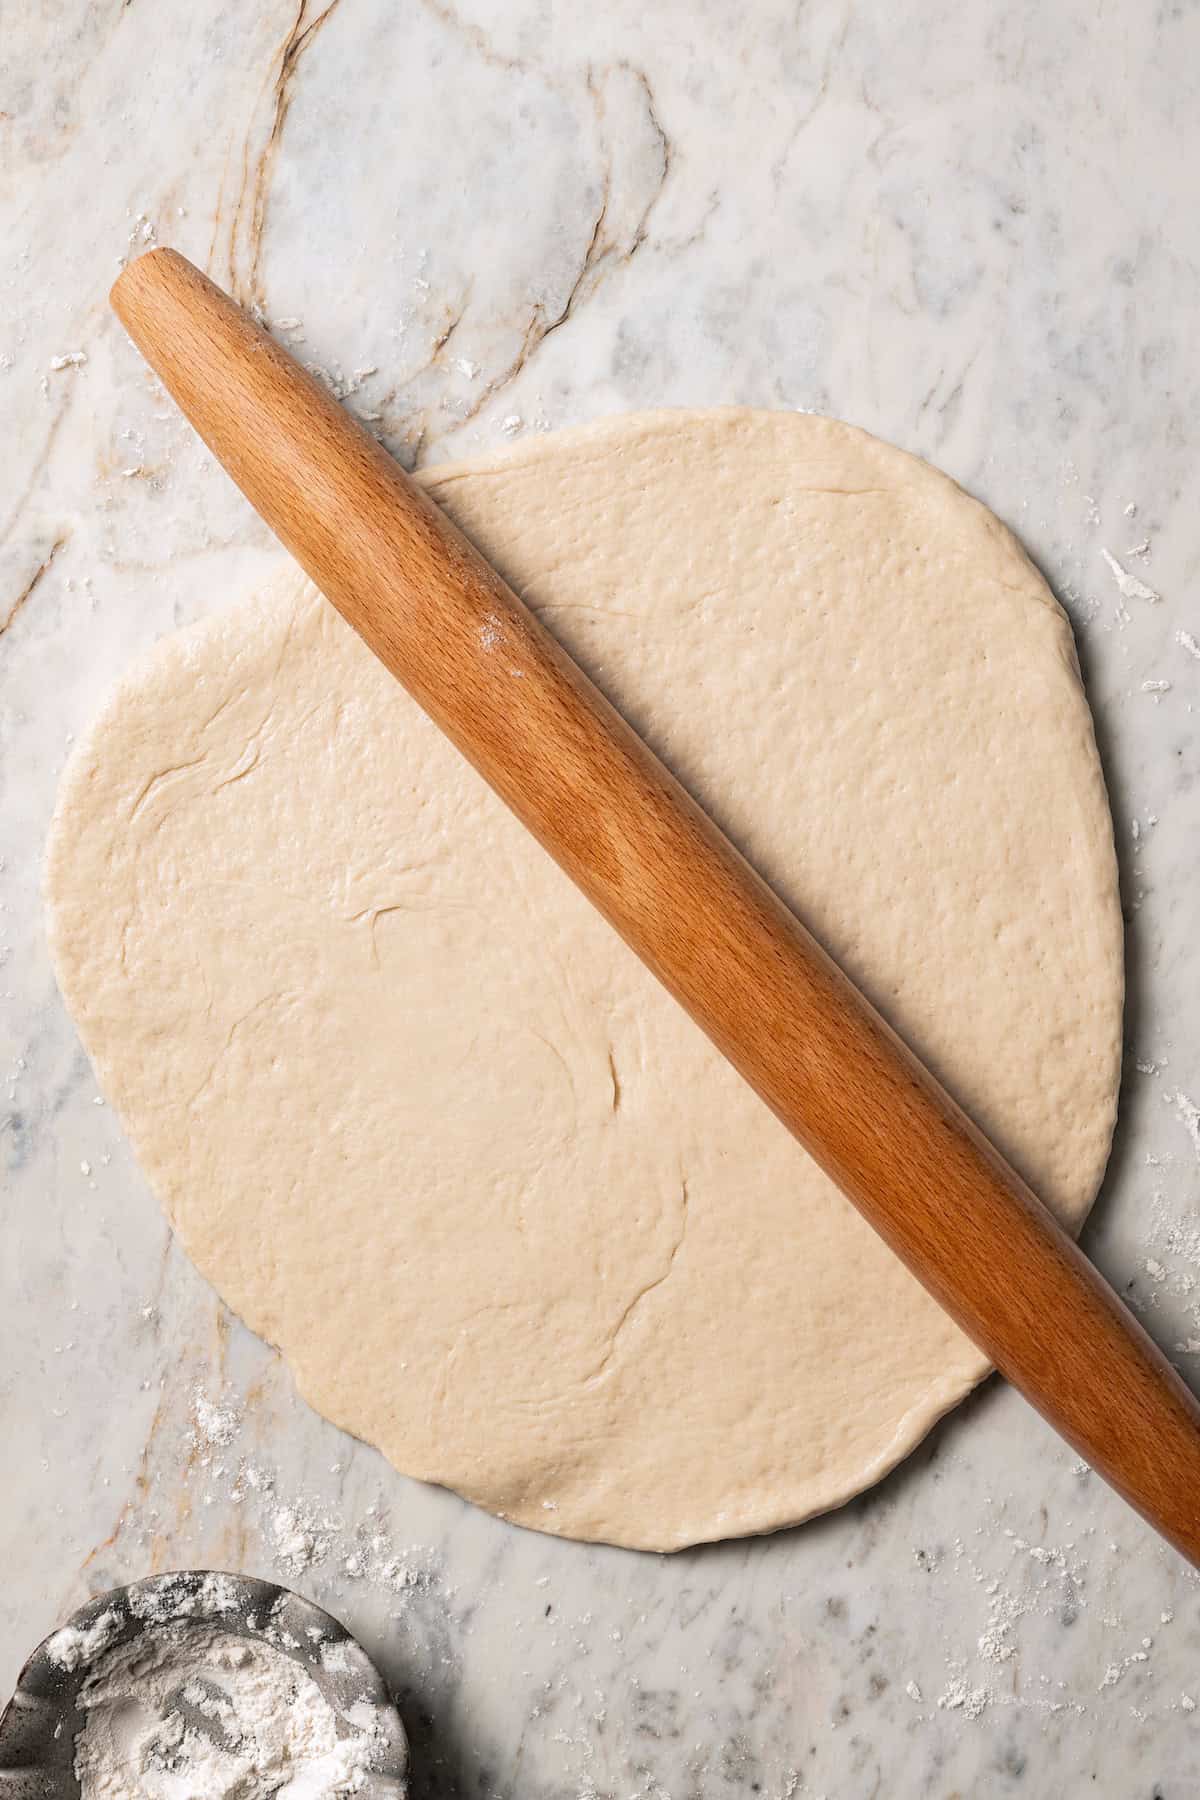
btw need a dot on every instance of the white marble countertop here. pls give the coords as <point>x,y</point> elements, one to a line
<point>970,229</point>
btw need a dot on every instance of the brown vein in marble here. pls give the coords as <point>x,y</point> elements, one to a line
<point>31,584</point>
<point>674,246</point>
<point>600,251</point>
<point>218,211</point>
<point>475,37</point>
<point>141,1475</point>
<point>599,255</point>
<point>455,315</point>
<point>141,1487</point>
<point>666,152</point>
<point>819,98</point>
<point>38,468</point>
<point>256,181</point>
<point>108,1542</point>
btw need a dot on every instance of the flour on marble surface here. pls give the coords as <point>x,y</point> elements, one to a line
<point>958,1695</point>
<point>996,1640</point>
<point>1114,1671</point>
<point>303,1534</point>
<point>194,1712</point>
<point>1172,1243</point>
<point>1022,1580</point>
<point>1189,1113</point>
<point>1131,587</point>
<point>297,1542</point>
<point>214,1424</point>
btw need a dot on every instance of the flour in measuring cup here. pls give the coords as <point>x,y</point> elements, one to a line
<point>194,1712</point>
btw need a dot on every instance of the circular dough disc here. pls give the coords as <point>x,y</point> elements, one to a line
<point>424,1121</point>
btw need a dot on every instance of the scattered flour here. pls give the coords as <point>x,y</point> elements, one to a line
<point>297,1543</point>
<point>214,1424</point>
<point>1189,1112</point>
<point>1114,1671</point>
<point>959,1697</point>
<point>303,1533</point>
<point>995,1641</point>
<point>1129,586</point>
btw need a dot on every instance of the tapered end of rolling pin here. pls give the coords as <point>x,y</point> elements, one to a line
<point>183,324</point>
<point>327,489</point>
<point>275,429</point>
<point>381,552</point>
<point>186,329</point>
<point>145,284</point>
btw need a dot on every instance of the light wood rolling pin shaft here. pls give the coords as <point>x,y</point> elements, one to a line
<point>680,895</point>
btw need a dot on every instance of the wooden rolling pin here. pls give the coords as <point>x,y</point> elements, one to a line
<point>507,694</point>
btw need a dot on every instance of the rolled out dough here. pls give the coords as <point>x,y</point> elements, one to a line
<point>423,1120</point>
